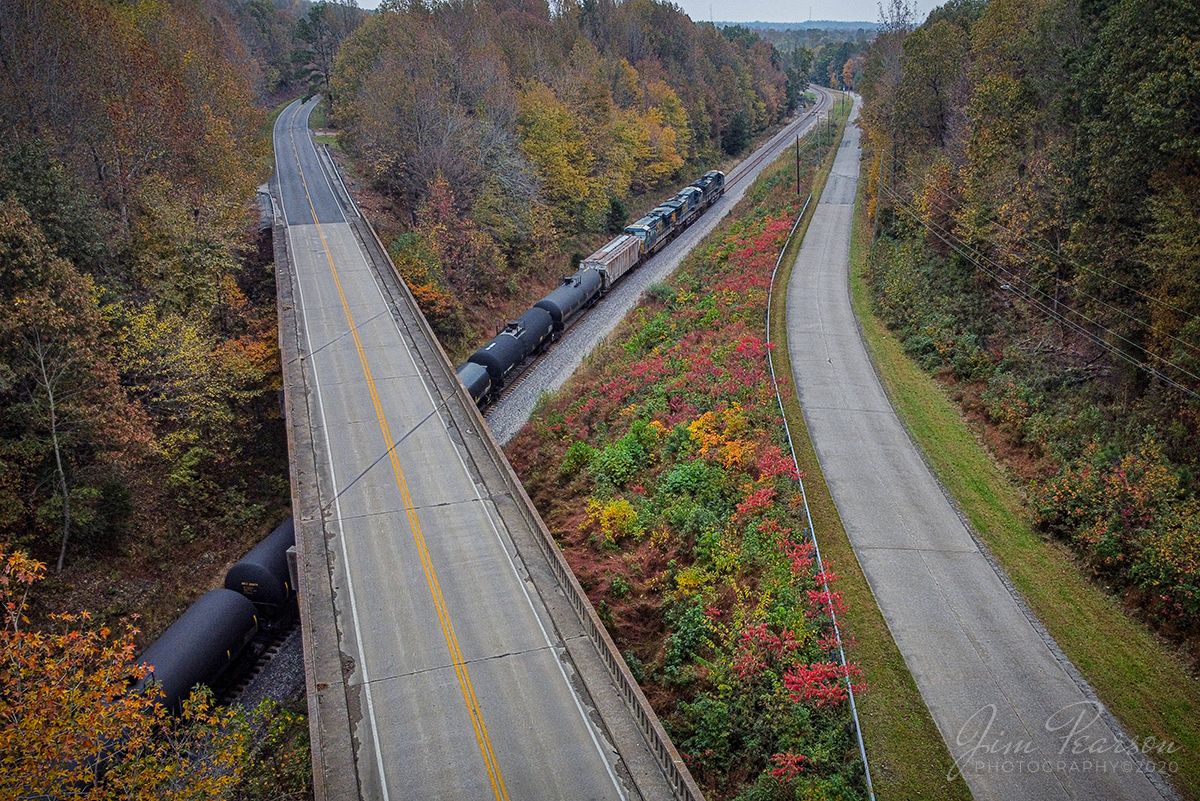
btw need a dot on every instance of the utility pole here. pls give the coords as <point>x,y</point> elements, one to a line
<point>878,199</point>
<point>797,165</point>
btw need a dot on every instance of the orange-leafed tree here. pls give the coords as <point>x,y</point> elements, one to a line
<point>70,727</point>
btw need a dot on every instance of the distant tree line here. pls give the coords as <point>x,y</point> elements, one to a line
<point>830,56</point>
<point>506,126</point>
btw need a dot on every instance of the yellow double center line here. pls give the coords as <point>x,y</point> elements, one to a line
<point>460,667</point>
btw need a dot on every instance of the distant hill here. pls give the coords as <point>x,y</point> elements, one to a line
<point>820,24</point>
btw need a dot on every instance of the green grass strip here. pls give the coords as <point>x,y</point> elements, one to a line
<point>1141,680</point>
<point>908,757</point>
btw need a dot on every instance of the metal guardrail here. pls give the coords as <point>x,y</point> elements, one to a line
<point>862,750</point>
<point>669,759</point>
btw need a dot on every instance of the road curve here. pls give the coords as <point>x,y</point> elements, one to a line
<point>509,414</point>
<point>435,668</point>
<point>1019,720</point>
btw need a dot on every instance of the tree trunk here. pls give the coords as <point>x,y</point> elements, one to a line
<point>48,385</point>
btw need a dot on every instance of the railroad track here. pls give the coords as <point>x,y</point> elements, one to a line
<point>824,102</point>
<point>523,370</point>
<point>255,657</point>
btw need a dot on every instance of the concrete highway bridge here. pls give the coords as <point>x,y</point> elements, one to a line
<point>450,653</point>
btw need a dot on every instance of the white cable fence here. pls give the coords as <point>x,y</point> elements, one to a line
<point>862,750</point>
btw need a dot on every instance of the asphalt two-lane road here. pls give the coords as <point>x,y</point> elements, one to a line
<point>1020,722</point>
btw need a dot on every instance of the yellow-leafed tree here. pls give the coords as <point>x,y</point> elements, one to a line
<point>552,139</point>
<point>69,726</point>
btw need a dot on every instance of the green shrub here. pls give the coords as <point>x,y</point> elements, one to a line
<point>578,456</point>
<point>654,332</point>
<point>690,632</point>
<point>617,463</point>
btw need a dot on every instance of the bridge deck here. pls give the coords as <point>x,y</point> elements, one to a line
<point>449,654</point>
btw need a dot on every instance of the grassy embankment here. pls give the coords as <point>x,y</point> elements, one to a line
<point>675,360</point>
<point>1135,674</point>
<point>907,754</point>
<point>318,123</point>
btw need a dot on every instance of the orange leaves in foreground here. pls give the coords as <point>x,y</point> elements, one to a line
<point>725,435</point>
<point>69,726</point>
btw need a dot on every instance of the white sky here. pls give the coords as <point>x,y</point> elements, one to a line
<point>792,10</point>
<point>778,10</point>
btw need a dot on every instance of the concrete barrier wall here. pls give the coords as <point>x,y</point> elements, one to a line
<point>660,744</point>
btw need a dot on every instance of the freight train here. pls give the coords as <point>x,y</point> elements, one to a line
<point>488,369</point>
<point>207,639</point>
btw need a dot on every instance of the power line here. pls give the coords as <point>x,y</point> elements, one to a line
<point>1014,286</point>
<point>1017,280</point>
<point>1081,267</point>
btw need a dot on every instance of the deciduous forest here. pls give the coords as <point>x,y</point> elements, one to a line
<point>503,137</point>
<point>139,365</point>
<point>1034,181</point>
<point>141,441</point>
